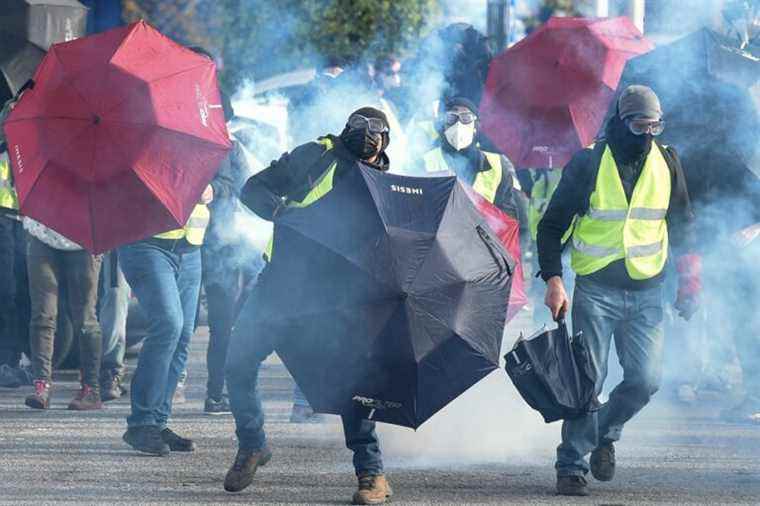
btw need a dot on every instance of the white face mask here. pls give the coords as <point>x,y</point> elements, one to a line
<point>460,136</point>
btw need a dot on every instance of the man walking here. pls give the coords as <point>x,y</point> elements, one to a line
<point>300,178</point>
<point>626,201</point>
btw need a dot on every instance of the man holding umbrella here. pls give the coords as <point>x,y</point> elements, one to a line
<point>626,200</point>
<point>300,178</point>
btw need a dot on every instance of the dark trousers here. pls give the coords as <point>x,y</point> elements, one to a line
<point>14,292</point>
<point>249,347</point>
<point>225,285</point>
<point>78,271</point>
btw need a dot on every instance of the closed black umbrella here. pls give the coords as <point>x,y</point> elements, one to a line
<point>389,293</point>
<point>27,29</point>
<point>710,94</point>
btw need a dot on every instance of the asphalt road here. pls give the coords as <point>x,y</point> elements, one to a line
<point>485,448</point>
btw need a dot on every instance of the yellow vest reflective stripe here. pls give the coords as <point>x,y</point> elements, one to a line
<point>614,230</point>
<point>8,196</point>
<point>194,230</point>
<point>486,182</point>
<point>322,187</point>
<point>540,196</point>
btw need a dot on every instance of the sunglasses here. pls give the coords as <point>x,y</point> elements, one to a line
<point>645,126</point>
<point>463,117</point>
<point>374,125</point>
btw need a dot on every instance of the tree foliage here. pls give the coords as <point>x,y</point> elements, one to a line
<point>257,38</point>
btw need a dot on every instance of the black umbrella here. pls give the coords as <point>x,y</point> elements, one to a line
<point>388,294</point>
<point>27,29</point>
<point>554,373</point>
<point>710,94</point>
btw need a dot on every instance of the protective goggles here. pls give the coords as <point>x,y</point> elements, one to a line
<point>374,125</point>
<point>465,117</point>
<point>645,126</point>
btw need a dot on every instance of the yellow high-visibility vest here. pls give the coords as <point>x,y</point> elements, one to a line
<point>540,196</point>
<point>8,196</point>
<point>486,182</point>
<point>322,186</point>
<point>194,230</point>
<point>614,229</point>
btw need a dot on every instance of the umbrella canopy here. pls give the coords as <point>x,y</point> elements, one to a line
<point>389,295</point>
<point>27,29</point>
<point>118,138</point>
<point>546,97</point>
<point>507,229</point>
<point>710,96</point>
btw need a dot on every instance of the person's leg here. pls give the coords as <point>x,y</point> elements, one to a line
<point>82,272</point>
<point>9,352</point>
<point>114,302</point>
<point>639,341</point>
<point>43,272</point>
<point>746,334</point>
<point>221,298</point>
<point>23,302</point>
<point>362,440</point>
<point>595,312</point>
<point>188,286</point>
<point>250,345</point>
<point>151,272</point>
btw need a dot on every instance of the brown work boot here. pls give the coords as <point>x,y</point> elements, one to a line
<point>86,399</point>
<point>40,399</point>
<point>603,462</point>
<point>246,462</point>
<point>572,485</point>
<point>372,490</point>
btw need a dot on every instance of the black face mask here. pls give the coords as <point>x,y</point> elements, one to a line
<point>625,144</point>
<point>362,143</point>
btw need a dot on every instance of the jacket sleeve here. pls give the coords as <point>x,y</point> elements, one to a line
<point>228,179</point>
<point>569,199</point>
<point>680,217</point>
<point>265,192</point>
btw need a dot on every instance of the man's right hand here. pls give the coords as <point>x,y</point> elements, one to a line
<point>556,298</point>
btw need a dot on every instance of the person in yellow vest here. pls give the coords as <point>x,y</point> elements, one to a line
<point>626,202</point>
<point>164,273</point>
<point>300,178</point>
<point>456,152</point>
<point>14,289</point>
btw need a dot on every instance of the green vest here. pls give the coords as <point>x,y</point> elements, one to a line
<point>322,186</point>
<point>8,196</point>
<point>613,229</point>
<point>194,230</point>
<point>540,195</point>
<point>486,182</point>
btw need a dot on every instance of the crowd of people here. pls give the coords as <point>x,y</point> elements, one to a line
<point>621,206</point>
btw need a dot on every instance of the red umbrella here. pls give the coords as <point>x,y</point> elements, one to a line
<point>546,97</point>
<point>507,229</point>
<point>118,138</point>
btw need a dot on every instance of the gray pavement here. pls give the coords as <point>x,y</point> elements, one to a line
<point>485,448</point>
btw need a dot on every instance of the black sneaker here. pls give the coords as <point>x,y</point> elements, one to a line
<point>572,485</point>
<point>603,462</point>
<point>146,439</point>
<point>217,407</point>
<point>176,442</point>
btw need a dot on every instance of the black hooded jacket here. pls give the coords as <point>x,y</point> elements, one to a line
<point>294,175</point>
<point>578,183</point>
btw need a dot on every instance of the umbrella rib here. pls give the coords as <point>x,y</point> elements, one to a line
<point>69,79</point>
<point>148,83</point>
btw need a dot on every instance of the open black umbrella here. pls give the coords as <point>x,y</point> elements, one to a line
<point>710,94</point>
<point>27,30</point>
<point>388,294</point>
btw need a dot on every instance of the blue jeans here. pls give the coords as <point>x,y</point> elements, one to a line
<point>249,346</point>
<point>635,319</point>
<point>112,313</point>
<point>167,285</point>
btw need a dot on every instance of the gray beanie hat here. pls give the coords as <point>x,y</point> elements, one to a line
<point>640,101</point>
